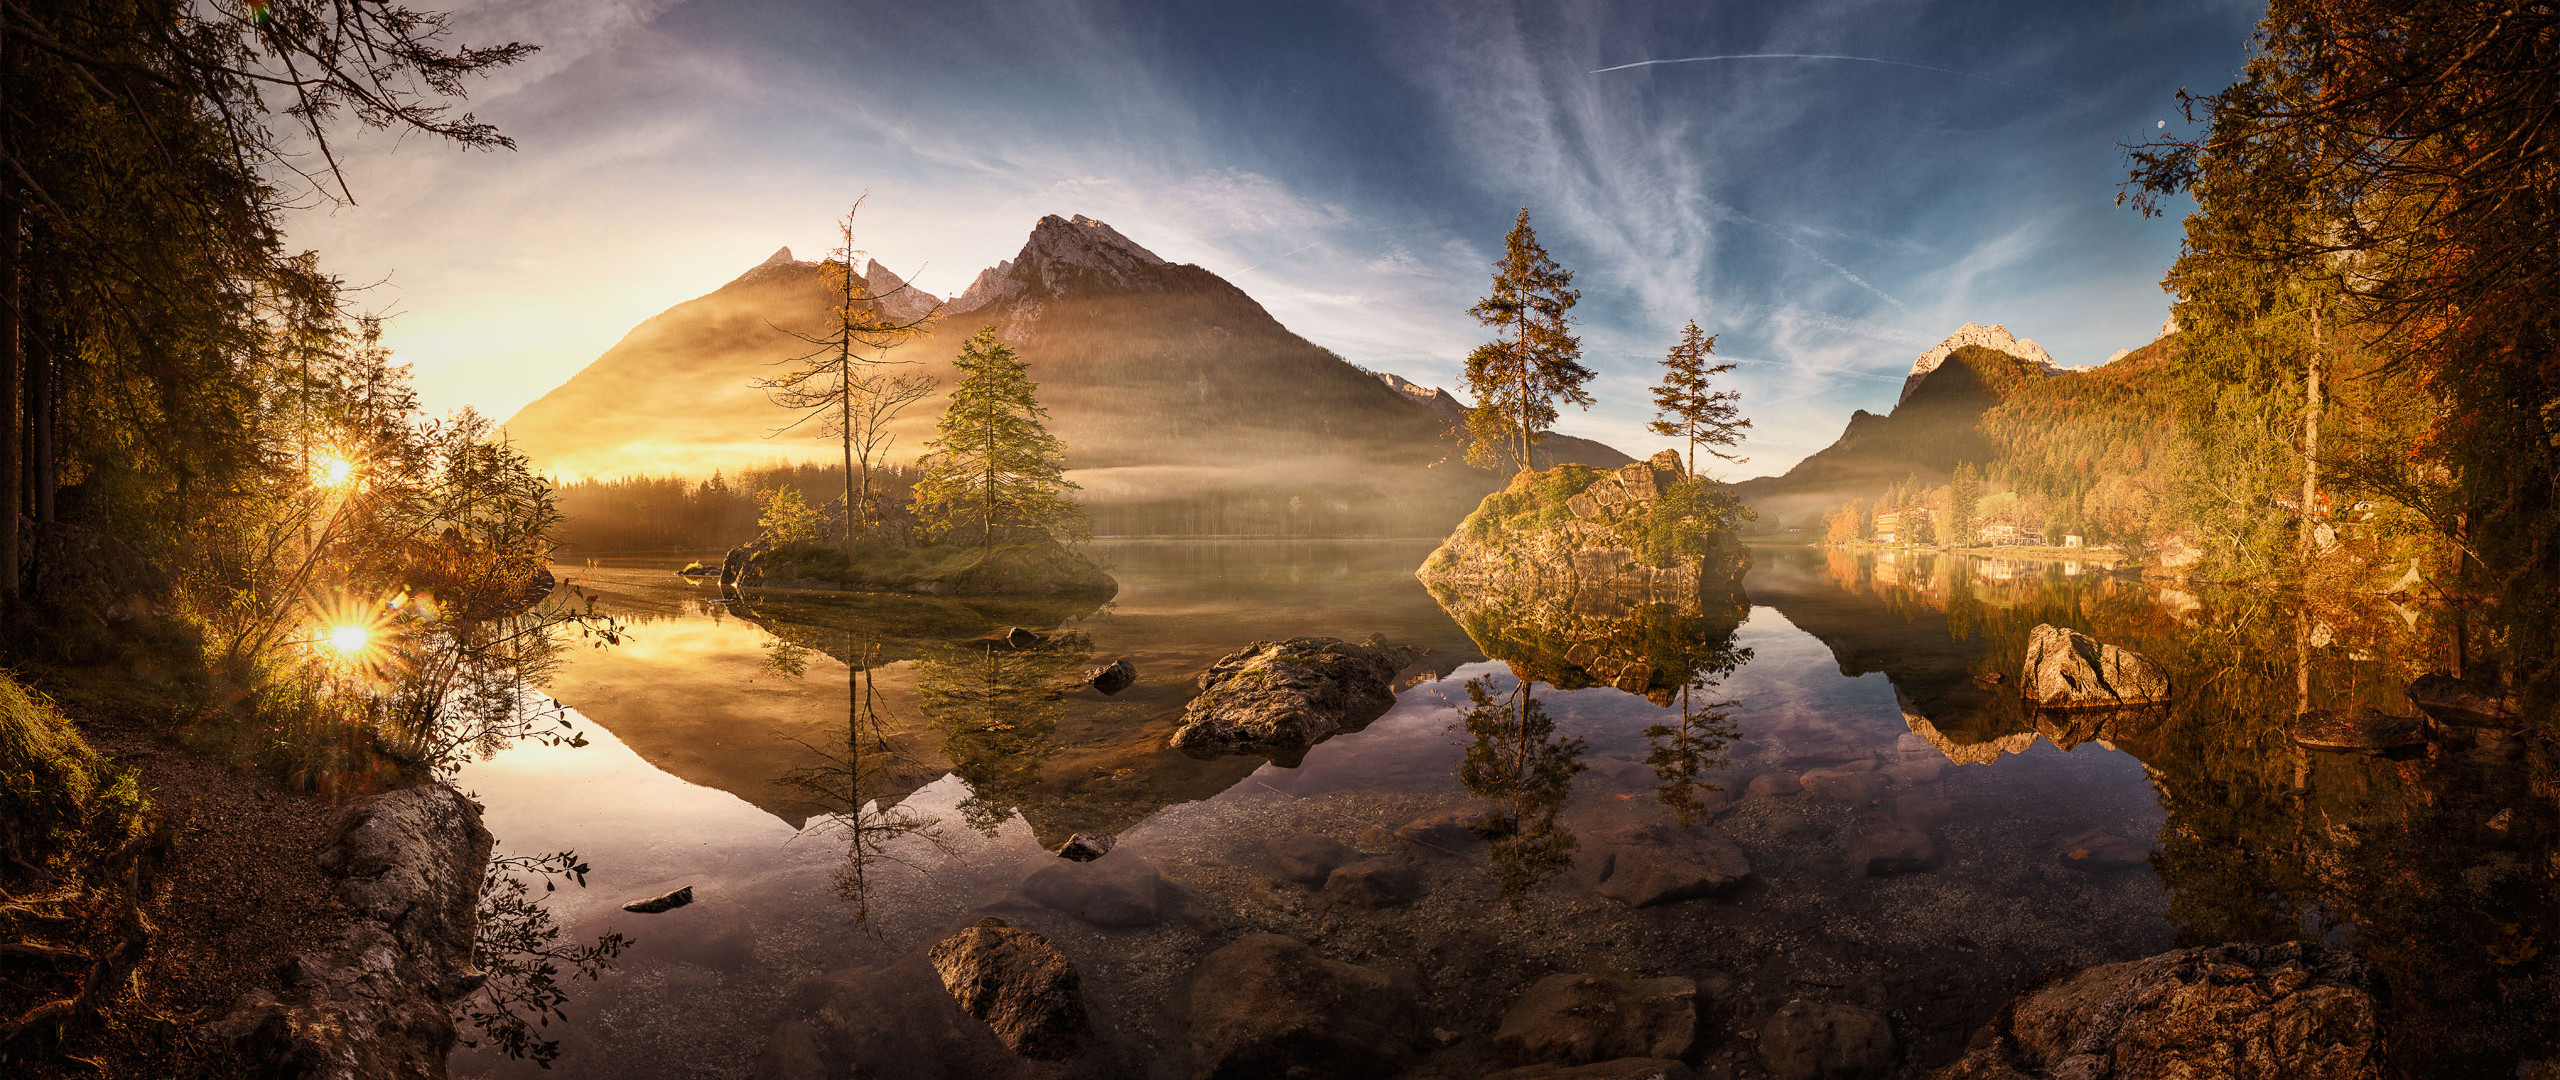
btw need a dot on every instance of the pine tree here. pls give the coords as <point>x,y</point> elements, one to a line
<point>1535,359</point>
<point>1964,493</point>
<point>1688,406</point>
<point>993,466</point>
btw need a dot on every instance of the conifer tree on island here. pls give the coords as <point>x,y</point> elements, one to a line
<point>993,467</point>
<point>1686,403</point>
<point>1535,359</point>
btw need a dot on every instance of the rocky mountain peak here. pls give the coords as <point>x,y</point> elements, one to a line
<point>1430,397</point>
<point>781,257</point>
<point>1062,254</point>
<point>1994,337</point>
<point>897,299</point>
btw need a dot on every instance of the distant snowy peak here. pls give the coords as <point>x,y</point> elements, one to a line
<point>1994,337</point>
<point>1430,397</point>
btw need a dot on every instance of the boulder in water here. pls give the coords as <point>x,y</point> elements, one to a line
<point>1020,985</point>
<point>1113,677</point>
<point>2255,1011</point>
<point>1085,847</point>
<point>2361,730</point>
<point>1572,1019</point>
<point>1309,858</point>
<point>1281,697</point>
<point>1270,1006</point>
<point>1808,1041</point>
<point>665,902</point>
<point>1382,882</point>
<point>1116,890</point>
<point>2067,669</point>
<point>1660,863</point>
<point>2462,702</point>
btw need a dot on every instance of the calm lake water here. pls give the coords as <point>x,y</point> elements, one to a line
<point>2010,842</point>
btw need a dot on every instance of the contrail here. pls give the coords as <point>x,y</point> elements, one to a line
<point>1859,59</point>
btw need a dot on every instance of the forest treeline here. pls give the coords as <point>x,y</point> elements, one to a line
<point>2363,379</point>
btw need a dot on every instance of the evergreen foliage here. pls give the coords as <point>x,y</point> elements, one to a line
<point>1517,382</point>
<point>1687,404</point>
<point>993,467</point>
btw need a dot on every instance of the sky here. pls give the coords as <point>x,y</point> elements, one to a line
<point>1829,187</point>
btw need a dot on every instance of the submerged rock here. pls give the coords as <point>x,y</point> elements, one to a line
<point>2361,730</point>
<point>662,902</point>
<point>1880,846</point>
<point>1776,783</point>
<point>2249,1012</point>
<point>1281,697</point>
<point>1020,985</point>
<point>1449,832</point>
<point>1807,1041</point>
<point>1308,858</point>
<point>2067,669</point>
<point>1571,1019</point>
<point>1387,881</point>
<point>1660,863</point>
<point>1269,1006</point>
<point>1855,787</point>
<point>1084,847</point>
<point>1113,677</point>
<point>1116,890</point>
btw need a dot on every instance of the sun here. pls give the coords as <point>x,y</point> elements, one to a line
<point>333,471</point>
<point>351,639</point>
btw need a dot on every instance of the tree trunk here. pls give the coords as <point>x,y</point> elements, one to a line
<point>12,359</point>
<point>43,386</point>
<point>2311,405</point>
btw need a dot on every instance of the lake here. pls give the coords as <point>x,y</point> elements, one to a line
<point>1917,841</point>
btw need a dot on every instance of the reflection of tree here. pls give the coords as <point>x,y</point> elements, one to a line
<point>847,781</point>
<point>996,706</point>
<point>1684,752</point>
<point>1519,763</point>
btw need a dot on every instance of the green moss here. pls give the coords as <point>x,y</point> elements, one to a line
<point>59,800</point>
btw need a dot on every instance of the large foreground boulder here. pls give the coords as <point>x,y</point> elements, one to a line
<point>374,1002</point>
<point>2242,1012</point>
<point>1269,1006</point>
<point>2067,669</point>
<point>1281,697</point>
<point>1020,984</point>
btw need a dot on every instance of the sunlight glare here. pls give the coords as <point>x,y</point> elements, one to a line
<point>333,471</point>
<point>350,639</point>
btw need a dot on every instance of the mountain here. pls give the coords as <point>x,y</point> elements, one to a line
<point>1553,447</point>
<point>1184,406</point>
<point>1935,426</point>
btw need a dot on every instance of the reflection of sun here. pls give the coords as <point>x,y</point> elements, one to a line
<point>332,471</point>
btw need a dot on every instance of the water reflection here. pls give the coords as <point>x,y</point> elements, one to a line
<point>1518,763</point>
<point>996,705</point>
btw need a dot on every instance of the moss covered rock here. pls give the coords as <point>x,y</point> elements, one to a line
<point>1647,526</point>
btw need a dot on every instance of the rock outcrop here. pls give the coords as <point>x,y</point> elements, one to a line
<point>1020,984</point>
<point>373,1004</point>
<point>1269,1006</point>
<point>1281,697</point>
<point>1994,337</point>
<point>2247,1012</point>
<point>2362,730</point>
<point>1804,1040</point>
<point>2067,669</point>
<point>1571,528</point>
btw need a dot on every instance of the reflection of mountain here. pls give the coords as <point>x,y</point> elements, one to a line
<point>1183,405</point>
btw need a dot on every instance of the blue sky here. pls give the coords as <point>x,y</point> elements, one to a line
<point>1353,166</point>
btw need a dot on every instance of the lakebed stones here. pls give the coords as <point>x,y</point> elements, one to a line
<point>1270,1006</point>
<point>1881,846</point>
<point>1020,985</point>
<point>1116,890</point>
<point>1659,863</point>
<point>1308,858</point>
<point>1449,832</point>
<point>1808,1041</point>
<point>2249,1012</point>
<point>1085,847</point>
<point>1575,1019</point>
<point>1281,697</point>
<point>1383,882</point>
<point>2066,669</point>
<point>2359,730</point>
